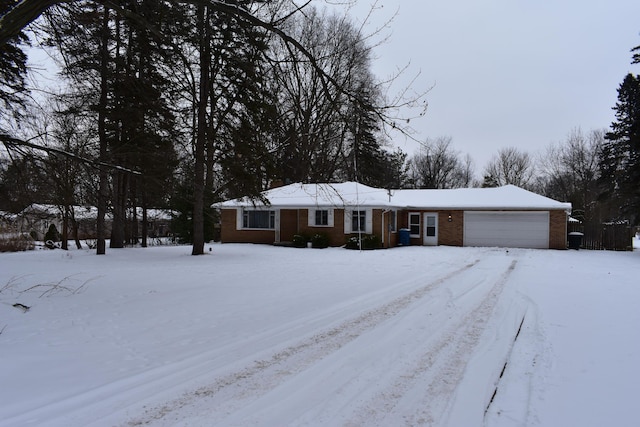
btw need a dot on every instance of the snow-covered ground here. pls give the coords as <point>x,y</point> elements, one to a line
<point>257,335</point>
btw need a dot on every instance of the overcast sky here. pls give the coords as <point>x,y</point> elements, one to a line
<point>509,72</point>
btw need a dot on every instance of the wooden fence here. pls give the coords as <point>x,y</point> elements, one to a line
<point>610,237</point>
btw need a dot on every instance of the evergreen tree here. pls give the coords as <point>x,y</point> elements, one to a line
<point>127,83</point>
<point>620,157</point>
<point>13,69</point>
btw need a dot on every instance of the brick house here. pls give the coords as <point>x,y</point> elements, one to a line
<point>506,216</point>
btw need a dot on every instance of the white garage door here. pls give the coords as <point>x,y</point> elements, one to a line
<point>507,229</point>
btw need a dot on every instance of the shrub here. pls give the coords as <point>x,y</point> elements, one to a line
<point>352,243</point>
<point>371,241</point>
<point>52,234</point>
<point>367,241</point>
<point>51,237</point>
<point>16,243</point>
<point>320,240</point>
<point>300,241</point>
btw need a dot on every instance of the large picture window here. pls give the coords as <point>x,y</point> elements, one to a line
<point>259,219</point>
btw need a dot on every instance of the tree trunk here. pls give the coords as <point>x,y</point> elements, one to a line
<point>74,225</point>
<point>201,138</point>
<point>145,228</point>
<point>120,186</point>
<point>65,228</point>
<point>103,189</point>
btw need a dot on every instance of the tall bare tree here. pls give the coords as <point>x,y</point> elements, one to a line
<point>510,166</point>
<point>569,170</point>
<point>323,124</point>
<point>438,165</point>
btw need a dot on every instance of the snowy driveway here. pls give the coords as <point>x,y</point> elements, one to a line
<point>256,335</point>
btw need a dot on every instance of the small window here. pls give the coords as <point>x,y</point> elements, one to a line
<point>358,221</point>
<point>431,225</point>
<point>259,219</point>
<point>414,224</point>
<point>392,221</point>
<point>322,218</point>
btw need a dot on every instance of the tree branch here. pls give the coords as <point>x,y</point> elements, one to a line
<point>15,143</point>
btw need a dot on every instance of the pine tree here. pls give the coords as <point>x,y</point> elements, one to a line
<point>13,69</point>
<point>620,158</point>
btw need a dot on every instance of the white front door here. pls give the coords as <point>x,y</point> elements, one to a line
<point>430,229</point>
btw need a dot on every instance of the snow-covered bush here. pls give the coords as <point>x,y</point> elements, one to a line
<point>364,241</point>
<point>320,240</point>
<point>300,241</point>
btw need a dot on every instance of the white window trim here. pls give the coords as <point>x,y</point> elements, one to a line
<point>311,220</point>
<point>240,219</point>
<point>368,221</point>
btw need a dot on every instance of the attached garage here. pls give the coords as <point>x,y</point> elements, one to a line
<point>529,229</point>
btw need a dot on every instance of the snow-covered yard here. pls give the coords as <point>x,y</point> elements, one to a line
<point>258,335</point>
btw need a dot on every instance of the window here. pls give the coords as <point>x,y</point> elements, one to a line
<point>392,221</point>
<point>431,225</point>
<point>414,224</point>
<point>358,221</point>
<point>259,219</point>
<point>322,218</point>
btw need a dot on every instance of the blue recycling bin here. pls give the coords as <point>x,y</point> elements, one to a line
<point>404,236</point>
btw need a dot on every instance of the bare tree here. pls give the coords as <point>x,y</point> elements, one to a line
<point>570,170</point>
<point>113,49</point>
<point>438,165</point>
<point>319,124</point>
<point>510,166</point>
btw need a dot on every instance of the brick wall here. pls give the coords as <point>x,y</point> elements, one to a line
<point>229,234</point>
<point>336,233</point>
<point>450,233</point>
<point>289,219</point>
<point>557,230</point>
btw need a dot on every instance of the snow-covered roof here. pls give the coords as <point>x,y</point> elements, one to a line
<point>321,195</point>
<point>495,198</point>
<point>508,197</point>
<point>89,212</point>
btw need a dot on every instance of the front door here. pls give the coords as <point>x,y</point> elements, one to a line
<point>430,229</point>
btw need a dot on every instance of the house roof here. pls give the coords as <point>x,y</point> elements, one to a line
<point>496,198</point>
<point>87,212</point>
<point>321,195</point>
<point>508,197</point>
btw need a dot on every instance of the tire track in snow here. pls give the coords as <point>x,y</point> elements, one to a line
<point>231,392</point>
<point>434,376</point>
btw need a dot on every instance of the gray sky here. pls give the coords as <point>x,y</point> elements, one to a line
<point>508,73</point>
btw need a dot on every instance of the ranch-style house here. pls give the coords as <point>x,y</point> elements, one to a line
<point>506,216</point>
